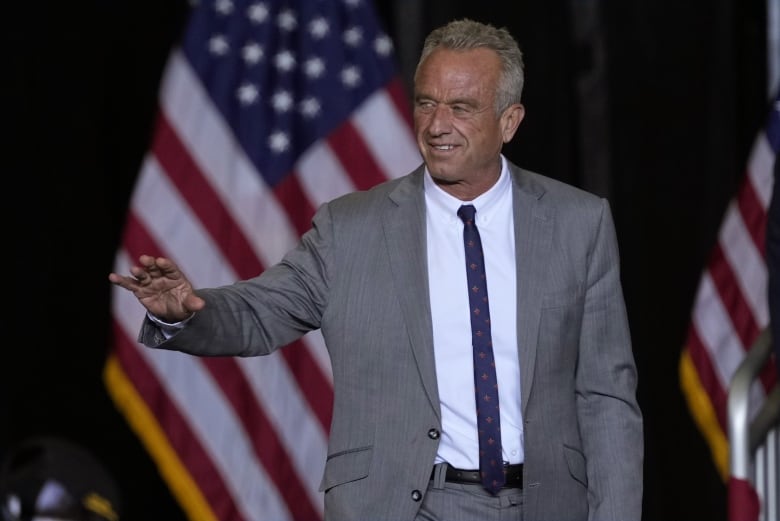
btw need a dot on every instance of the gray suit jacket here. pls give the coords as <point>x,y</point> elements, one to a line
<point>360,275</point>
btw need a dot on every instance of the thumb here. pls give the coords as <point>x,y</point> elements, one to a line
<point>193,303</point>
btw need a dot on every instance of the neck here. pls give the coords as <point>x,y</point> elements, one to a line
<point>468,190</point>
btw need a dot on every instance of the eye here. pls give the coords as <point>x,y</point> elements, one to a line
<point>425,106</point>
<point>461,110</point>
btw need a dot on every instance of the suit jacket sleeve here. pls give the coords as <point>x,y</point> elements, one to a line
<point>605,386</point>
<point>261,314</point>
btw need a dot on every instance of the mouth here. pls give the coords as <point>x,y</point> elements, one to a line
<point>442,148</point>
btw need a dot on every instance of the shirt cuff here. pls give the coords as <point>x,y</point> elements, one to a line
<point>169,328</point>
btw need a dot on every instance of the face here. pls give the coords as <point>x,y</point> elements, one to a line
<point>458,131</point>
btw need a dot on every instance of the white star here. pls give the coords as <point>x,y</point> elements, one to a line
<point>282,101</point>
<point>223,7</point>
<point>252,53</point>
<point>383,45</point>
<point>353,36</point>
<point>257,12</point>
<point>278,141</point>
<point>314,67</point>
<point>350,76</point>
<point>218,45</point>
<point>284,61</point>
<point>310,107</point>
<point>247,94</point>
<point>319,28</point>
<point>287,20</point>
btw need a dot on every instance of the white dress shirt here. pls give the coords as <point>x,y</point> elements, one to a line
<point>452,323</point>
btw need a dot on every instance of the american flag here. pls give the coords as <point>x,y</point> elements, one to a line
<point>731,306</point>
<point>266,110</point>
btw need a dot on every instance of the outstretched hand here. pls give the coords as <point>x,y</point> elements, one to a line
<point>161,287</point>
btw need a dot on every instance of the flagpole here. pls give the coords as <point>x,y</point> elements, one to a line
<point>773,46</point>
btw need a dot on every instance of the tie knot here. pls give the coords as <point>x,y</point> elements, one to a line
<point>467,213</point>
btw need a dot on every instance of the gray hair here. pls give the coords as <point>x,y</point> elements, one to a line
<point>468,34</point>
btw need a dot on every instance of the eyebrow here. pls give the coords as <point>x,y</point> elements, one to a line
<point>456,101</point>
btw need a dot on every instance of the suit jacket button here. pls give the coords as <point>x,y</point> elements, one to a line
<point>434,434</point>
<point>416,495</point>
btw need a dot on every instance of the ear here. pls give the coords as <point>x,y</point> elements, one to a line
<point>510,120</point>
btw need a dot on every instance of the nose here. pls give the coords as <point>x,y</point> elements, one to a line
<point>440,120</point>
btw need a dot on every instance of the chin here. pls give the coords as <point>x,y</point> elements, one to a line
<point>443,178</point>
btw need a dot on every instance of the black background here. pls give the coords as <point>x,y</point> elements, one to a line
<point>686,95</point>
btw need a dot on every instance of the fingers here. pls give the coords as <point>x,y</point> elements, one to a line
<point>149,264</point>
<point>123,282</point>
<point>161,288</point>
<point>146,260</point>
<point>167,267</point>
<point>140,273</point>
<point>158,266</point>
<point>148,269</point>
<point>153,266</point>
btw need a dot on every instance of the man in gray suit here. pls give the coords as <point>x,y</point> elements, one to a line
<point>382,273</point>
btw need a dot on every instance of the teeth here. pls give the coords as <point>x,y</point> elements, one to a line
<point>443,147</point>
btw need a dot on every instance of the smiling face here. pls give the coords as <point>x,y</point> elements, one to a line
<point>459,133</point>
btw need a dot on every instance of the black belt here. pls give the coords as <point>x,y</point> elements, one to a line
<point>513,473</point>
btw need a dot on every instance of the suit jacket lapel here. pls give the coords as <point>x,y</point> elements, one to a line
<point>533,234</point>
<point>405,233</point>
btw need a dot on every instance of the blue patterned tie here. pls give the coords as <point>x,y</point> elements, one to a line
<point>491,466</point>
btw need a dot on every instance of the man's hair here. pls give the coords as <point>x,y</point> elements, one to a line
<point>468,34</point>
